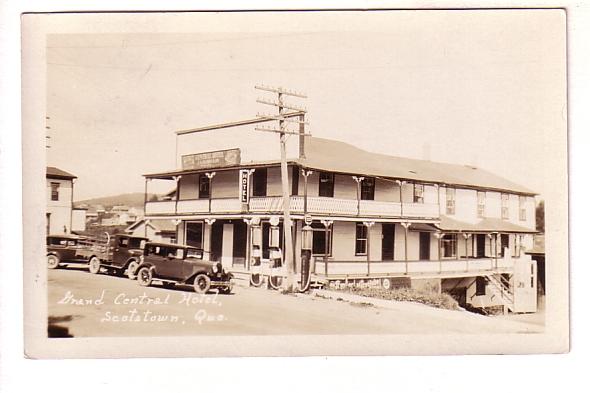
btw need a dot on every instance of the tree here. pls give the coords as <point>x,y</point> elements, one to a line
<point>540,216</point>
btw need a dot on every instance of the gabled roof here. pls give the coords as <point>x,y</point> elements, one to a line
<point>340,157</point>
<point>484,225</point>
<point>157,225</point>
<point>335,156</point>
<point>56,173</point>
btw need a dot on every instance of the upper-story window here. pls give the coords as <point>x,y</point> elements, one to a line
<point>481,204</point>
<point>326,184</point>
<point>418,193</point>
<point>204,186</point>
<point>259,182</point>
<point>450,200</point>
<point>54,191</point>
<point>505,210</point>
<point>368,188</point>
<point>522,208</point>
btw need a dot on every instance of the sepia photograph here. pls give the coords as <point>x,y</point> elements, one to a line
<point>293,183</point>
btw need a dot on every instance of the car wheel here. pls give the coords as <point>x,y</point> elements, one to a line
<point>144,277</point>
<point>94,265</point>
<point>52,261</point>
<point>202,283</point>
<point>131,268</point>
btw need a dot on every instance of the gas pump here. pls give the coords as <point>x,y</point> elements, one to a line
<point>275,263</point>
<point>256,253</point>
<point>306,246</point>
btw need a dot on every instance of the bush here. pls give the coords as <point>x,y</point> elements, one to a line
<point>443,300</point>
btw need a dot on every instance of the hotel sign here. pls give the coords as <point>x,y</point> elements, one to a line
<point>211,159</point>
<point>244,185</point>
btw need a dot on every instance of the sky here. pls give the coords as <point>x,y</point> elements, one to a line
<point>484,88</point>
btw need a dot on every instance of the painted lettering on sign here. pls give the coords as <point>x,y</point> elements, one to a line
<point>212,159</point>
<point>244,185</point>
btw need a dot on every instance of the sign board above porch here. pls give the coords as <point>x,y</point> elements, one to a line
<point>211,159</point>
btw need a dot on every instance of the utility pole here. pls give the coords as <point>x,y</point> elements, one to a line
<point>283,132</point>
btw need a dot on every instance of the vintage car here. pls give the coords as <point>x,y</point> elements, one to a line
<point>64,250</point>
<point>173,264</point>
<point>118,254</point>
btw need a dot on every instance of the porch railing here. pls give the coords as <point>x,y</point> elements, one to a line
<point>362,268</point>
<point>315,205</point>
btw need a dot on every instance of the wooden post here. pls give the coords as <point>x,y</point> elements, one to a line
<point>369,224</point>
<point>210,176</point>
<point>327,224</point>
<point>358,180</point>
<point>406,225</point>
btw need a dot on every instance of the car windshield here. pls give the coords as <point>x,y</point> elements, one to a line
<point>136,243</point>
<point>194,253</point>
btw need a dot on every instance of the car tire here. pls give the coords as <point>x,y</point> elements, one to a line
<point>131,268</point>
<point>226,290</point>
<point>94,265</point>
<point>52,261</point>
<point>202,283</point>
<point>144,277</point>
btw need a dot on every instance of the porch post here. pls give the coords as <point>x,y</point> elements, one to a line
<point>358,180</point>
<point>327,224</point>
<point>176,223</point>
<point>466,236</point>
<point>248,241</point>
<point>401,201</point>
<point>369,224</point>
<point>177,195</point>
<point>438,235</point>
<point>305,174</point>
<point>210,177</point>
<point>145,193</point>
<point>209,222</point>
<point>406,225</point>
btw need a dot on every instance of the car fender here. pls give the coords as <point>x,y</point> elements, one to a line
<point>54,253</point>
<point>196,273</point>
<point>129,261</point>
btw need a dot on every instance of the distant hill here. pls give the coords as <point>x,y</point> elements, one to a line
<point>134,199</point>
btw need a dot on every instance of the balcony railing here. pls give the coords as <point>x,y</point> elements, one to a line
<point>315,205</point>
<point>362,268</point>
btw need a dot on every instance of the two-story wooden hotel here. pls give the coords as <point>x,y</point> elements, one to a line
<point>377,217</point>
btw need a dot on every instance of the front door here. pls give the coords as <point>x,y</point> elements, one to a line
<point>239,242</point>
<point>480,239</point>
<point>387,241</point>
<point>424,246</point>
<point>216,241</point>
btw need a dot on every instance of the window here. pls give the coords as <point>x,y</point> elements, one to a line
<point>295,180</point>
<point>505,211</point>
<point>326,184</point>
<point>480,286</point>
<point>194,234</point>
<point>522,208</point>
<point>449,245</point>
<point>481,204</point>
<point>368,189</point>
<point>450,201</point>
<point>319,239</point>
<point>259,182</point>
<point>123,242</point>
<point>55,191</point>
<point>204,186</point>
<point>361,239</point>
<point>418,193</point>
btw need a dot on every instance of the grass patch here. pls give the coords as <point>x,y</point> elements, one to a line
<point>444,300</point>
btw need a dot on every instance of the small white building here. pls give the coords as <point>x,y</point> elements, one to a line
<point>59,196</point>
<point>156,230</point>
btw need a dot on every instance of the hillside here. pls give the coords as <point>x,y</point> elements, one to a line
<point>134,199</point>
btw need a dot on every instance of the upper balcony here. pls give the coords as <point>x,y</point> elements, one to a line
<point>315,205</point>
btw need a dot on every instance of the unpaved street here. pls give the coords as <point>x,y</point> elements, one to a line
<point>100,305</point>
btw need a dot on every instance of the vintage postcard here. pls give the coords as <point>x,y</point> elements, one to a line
<point>295,183</point>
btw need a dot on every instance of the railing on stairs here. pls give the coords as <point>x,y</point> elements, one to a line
<point>502,288</point>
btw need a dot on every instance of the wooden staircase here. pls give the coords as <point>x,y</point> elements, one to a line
<point>502,288</point>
